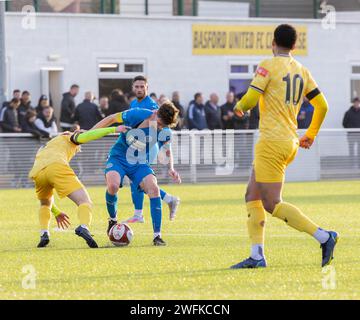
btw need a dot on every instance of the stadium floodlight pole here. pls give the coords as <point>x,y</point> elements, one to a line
<point>2,54</point>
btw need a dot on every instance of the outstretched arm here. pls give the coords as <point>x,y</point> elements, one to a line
<point>108,121</point>
<point>91,135</point>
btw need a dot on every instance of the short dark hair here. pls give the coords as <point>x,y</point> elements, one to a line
<point>285,36</point>
<point>16,91</point>
<point>73,86</point>
<point>29,114</point>
<point>15,100</point>
<point>153,94</point>
<point>356,99</point>
<point>197,95</point>
<point>139,78</point>
<point>168,114</point>
<point>25,92</point>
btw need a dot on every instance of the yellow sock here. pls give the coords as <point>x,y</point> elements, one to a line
<point>294,218</point>
<point>44,217</point>
<point>256,221</point>
<point>84,214</point>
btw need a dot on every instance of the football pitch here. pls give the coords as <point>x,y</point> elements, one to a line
<point>208,235</point>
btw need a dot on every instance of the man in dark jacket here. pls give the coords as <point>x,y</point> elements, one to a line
<point>25,106</point>
<point>305,114</point>
<point>196,117</point>
<point>16,95</point>
<point>213,112</point>
<point>87,113</point>
<point>68,108</point>
<point>352,120</point>
<point>227,111</point>
<point>176,101</point>
<point>9,119</point>
<point>118,102</point>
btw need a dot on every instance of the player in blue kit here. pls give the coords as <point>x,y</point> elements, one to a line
<point>143,100</point>
<point>130,157</point>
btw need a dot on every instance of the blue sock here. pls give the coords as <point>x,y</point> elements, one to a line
<point>156,215</point>
<point>111,204</point>
<point>162,194</point>
<point>137,197</point>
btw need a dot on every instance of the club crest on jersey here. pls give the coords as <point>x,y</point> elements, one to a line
<point>262,72</point>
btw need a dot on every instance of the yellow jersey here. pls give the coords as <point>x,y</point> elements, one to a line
<point>283,82</point>
<point>59,150</point>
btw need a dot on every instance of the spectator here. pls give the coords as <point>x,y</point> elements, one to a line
<point>16,95</point>
<point>154,97</point>
<point>29,125</point>
<point>254,118</point>
<point>131,96</point>
<point>46,121</point>
<point>163,98</point>
<point>118,102</point>
<point>213,112</point>
<point>227,113</point>
<point>68,108</point>
<point>87,113</point>
<point>43,102</point>
<point>243,122</point>
<point>177,104</point>
<point>9,119</point>
<point>196,113</point>
<point>25,106</point>
<point>352,120</point>
<point>104,106</point>
<point>305,114</point>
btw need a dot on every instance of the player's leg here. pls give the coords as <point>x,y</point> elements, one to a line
<point>151,188</point>
<point>138,200</point>
<point>44,220</point>
<point>67,184</point>
<point>44,193</point>
<point>113,182</point>
<point>256,226</point>
<point>295,218</point>
<point>172,201</point>
<point>82,199</point>
<point>137,197</point>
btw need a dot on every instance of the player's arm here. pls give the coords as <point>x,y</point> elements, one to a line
<point>62,219</point>
<point>318,101</point>
<point>91,135</point>
<point>248,101</point>
<point>172,172</point>
<point>256,89</point>
<point>109,120</point>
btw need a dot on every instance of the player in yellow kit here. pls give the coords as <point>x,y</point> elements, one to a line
<point>279,85</point>
<point>51,170</point>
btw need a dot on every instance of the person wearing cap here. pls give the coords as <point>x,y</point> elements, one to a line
<point>352,120</point>
<point>43,102</point>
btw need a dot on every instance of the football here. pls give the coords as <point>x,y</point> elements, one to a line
<point>121,235</point>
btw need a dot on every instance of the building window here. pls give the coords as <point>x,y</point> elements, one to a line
<point>240,76</point>
<point>355,81</point>
<point>134,67</point>
<point>109,67</point>
<point>118,74</point>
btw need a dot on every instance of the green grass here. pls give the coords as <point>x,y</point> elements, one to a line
<point>208,236</point>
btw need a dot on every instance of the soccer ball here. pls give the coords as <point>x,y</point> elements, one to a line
<point>121,235</point>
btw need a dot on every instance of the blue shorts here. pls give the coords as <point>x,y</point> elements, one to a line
<point>135,172</point>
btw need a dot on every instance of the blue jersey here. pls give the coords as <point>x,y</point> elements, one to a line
<point>134,146</point>
<point>146,103</point>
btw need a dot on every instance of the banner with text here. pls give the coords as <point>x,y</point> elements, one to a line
<point>240,40</point>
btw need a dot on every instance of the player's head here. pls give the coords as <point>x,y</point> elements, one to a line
<point>285,37</point>
<point>167,115</point>
<point>140,87</point>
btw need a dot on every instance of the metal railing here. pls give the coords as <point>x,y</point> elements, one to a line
<point>200,157</point>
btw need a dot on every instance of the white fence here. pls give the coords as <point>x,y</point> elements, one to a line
<point>200,156</point>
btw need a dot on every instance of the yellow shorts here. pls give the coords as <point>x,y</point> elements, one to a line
<point>59,177</point>
<point>272,158</point>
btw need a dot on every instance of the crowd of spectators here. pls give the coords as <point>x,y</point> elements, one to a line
<point>20,115</point>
